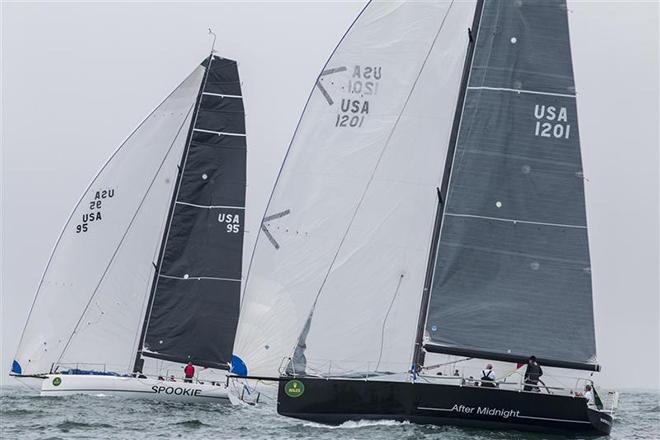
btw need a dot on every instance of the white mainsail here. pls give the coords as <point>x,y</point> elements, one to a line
<point>90,302</point>
<point>346,234</point>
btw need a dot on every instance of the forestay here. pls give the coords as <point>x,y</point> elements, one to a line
<point>341,255</point>
<point>92,295</point>
<point>512,276</point>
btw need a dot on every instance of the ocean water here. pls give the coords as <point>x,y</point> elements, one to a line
<point>25,415</point>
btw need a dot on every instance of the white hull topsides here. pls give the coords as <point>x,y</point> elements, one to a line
<point>131,387</point>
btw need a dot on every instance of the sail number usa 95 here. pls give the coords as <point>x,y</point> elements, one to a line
<point>232,222</point>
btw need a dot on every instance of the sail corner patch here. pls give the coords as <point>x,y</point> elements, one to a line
<point>16,368</point>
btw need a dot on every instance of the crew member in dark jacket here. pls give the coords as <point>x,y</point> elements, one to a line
<point>532,375</point>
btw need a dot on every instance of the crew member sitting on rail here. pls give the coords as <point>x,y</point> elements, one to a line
<point>189,371</point>
<point>488,377</point>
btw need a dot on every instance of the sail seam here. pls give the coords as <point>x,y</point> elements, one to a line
<point>198,278</point>
<point>209,206</point>
<point>221,95</point>
<point>510,220</point>
<point>533,92</point>
<point>219,133</point>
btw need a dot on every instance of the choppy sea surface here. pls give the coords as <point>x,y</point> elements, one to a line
<point>25,415</point>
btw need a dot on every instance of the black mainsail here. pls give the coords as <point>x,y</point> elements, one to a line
<point>195,296</point>
<point>512,276</point>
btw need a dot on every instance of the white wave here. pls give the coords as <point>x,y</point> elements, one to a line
<point>359,424</point>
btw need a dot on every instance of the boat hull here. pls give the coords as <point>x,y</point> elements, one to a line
<point>334,401</point>
<point>131,387</point>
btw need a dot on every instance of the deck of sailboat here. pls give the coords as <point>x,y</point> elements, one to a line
<point>438,401</point>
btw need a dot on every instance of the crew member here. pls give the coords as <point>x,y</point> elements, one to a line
<point>588,393</point>
<point>488,377</point>
<point>189,371</point>
<point>532,375</point>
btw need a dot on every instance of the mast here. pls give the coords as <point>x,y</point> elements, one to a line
<point>418,355</point>
<point>139,362</point>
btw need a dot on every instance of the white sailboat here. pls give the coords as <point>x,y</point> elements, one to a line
<point>146,274</point>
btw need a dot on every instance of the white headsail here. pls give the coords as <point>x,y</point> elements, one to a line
<point>343,246</point>
<point>91,299</point>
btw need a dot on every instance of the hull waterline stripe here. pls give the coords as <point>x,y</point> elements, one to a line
<point>198,278</point>
<point>222,96</point>
<point>510,220</point>
<point>520,417</point>
<point>532,92</point>
<point>210,206</point>
<point>219,133</point>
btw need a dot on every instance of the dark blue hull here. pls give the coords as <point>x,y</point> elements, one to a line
<point>334,401</point>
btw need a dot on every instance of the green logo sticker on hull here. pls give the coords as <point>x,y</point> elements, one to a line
<point>57,381</point>
<point>294,388</point>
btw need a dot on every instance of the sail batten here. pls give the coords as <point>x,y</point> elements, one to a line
<point>512,276</point>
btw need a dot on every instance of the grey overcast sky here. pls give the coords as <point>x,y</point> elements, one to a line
<point>77,78</point>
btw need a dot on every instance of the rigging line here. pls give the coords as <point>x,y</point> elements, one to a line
<point>380,157</point>
<point>128,228</point>
<point>82,196</point>
<point>197,105</point>
<point>288,150</point>
<point>382,330</point>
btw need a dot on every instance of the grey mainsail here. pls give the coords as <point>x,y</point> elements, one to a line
<point>512,273</point>
<point>196,292</point>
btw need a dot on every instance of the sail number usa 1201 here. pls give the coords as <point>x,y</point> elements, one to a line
<point>361,86</point>
<point>551,122</point>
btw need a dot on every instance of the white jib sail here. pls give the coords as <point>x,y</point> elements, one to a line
<point>90,302</point>
<point>351,216</point>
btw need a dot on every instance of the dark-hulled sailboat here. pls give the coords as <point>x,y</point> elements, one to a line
<point>150,260</point>
<point>432,206</point>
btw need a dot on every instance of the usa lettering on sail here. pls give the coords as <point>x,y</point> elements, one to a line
<point>233,222</point>
<point>364,82</point>
<point>95,209</point>
<point>552,121</point>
